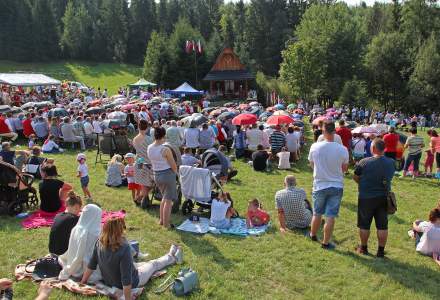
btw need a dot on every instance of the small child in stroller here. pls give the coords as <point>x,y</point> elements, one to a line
<point>222,211</point>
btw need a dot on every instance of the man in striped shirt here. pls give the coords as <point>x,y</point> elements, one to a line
<point>415,145</point>
<point>277,140</point>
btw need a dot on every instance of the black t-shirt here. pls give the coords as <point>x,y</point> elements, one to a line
<point>60,232</point>
<point>316,134</point>
<point>50,195</point>
<point>259,159</point>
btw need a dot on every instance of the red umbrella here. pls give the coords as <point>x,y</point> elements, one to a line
<point>244,119</point>
<point>95,103</point>
<point>279,119</point>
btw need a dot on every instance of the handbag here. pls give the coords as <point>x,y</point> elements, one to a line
<point>187,280</point>
<point>391,203</point>
<point>46,267</point>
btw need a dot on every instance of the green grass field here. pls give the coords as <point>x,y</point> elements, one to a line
<point>272,266</point>
<point>104,75</point>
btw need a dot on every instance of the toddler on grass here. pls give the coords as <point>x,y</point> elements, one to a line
<point>83,174</point>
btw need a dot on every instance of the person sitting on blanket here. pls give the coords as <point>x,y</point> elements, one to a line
<point>222,211</point>
<point>256,216</point>
<point>81,243</point>
<point>63,224</point>
<point>53,191</point>
<point>113,255</point>
<point>427,234</point>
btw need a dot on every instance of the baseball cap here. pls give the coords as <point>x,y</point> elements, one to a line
<point>80,156</point>
<point>130,155</point>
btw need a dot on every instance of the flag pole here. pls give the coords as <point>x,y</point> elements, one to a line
<point>195,65</point>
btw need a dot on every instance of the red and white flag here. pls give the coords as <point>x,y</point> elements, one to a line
<point>189,47</point>
<point>199,47</point>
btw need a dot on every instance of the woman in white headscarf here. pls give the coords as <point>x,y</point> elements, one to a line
<point>81,243</point>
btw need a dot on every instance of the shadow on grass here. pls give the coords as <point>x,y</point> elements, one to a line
<point>420,279</point>
<point>204,247</point>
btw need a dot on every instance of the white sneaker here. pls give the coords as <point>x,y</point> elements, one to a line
<point>179,255</point>
<point>142,255</point>
<point>173,250</point>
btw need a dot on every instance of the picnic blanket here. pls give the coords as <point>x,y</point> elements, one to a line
<point>238,228</point>
<point>44,219</point>
<point>75,287</point>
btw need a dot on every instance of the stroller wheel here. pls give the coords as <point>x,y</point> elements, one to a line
<point>14,208</point>
<point>176,204</point>
<point>33,201</point>
<point>187,207</point>
<point>146,202</point>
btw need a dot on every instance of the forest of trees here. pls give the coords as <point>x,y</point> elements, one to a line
<point>387,54</point>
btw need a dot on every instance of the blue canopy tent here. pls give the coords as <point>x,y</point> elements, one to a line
<point>184,90</point>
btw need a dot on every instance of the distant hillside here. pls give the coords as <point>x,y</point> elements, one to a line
<point>104,75</point>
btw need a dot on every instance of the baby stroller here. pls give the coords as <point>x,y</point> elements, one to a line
<point>155,192</point>
<point>201,185</point>
<point>16,191</point>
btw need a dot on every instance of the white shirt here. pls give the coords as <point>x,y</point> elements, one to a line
<point>359,146</point>
<point>283,162</point>
<point>129,173</point>
<point>97,127</point>
<point>83,169</point>
<point>205,104</point>
<point>192,137</point>
<point>218,210</point>
<point>337,139</point>
<point>327,159</point>
<point>88,128</point>
<point>49,146</point>
<point>254,138</point>
<point>430,240</point>
<point>292,141</point>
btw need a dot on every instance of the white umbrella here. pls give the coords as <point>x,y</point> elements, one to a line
<point>381,128</point>
<point>364,129</point>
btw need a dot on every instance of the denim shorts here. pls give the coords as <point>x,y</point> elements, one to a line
<point>84,181</point>
<point>327,201</point>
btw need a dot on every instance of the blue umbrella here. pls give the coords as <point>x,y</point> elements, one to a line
<point>279,106</point>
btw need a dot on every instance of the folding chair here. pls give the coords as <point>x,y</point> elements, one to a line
<point>106,146</point>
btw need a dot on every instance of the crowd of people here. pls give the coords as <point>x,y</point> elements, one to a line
<point>90,253</point>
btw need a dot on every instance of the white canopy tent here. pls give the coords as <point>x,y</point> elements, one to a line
<point>23,79</point>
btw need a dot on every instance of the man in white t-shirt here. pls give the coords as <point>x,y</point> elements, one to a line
<point>329,161</point>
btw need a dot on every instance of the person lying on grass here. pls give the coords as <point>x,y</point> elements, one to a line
<point>427,235</point>
<point>256,216</point>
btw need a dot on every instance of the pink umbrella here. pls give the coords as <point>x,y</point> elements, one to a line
<point>129,106</point>
<point>244,119</point>
<point>331,109</point>
<point>332,113</point>
<point>319,119</point>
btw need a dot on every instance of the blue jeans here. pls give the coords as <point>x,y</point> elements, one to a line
<point>327,201</point>
<point>415,159</point>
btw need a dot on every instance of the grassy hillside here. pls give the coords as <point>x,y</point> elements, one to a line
<point>104,75</point>
<point>273,266</point>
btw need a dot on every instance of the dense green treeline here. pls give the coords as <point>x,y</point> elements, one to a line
<point>386,54</point>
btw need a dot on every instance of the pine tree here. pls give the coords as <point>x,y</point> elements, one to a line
<point>157,59</point>
<point>44,31</point>
<point>142,23</point>
<point>163,22</point>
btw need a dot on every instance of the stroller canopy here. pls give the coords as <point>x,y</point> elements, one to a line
<point>215,161</point>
